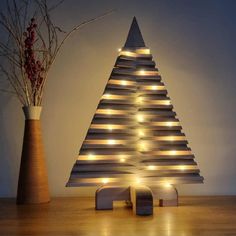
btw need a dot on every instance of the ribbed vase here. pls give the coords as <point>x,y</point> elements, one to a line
<point>33,180</point>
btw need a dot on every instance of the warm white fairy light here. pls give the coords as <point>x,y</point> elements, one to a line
<point>139,99</point>
<point>122,158</point>
<point>154,87</point>
<point>106,96</point>
<point>140,118</point>
<point>151,167</point>
<point>138,180</point>
<point>167,102</point>
<point>182,168</point>
<point>105,180</point>
<point>110,127</point>
<point>167,185</point>
<point>143,51</point>
<point>142,146</point>
<point>172,152</point>
<point>142,72</point>
<point>119,49</point>
<point>124,82</point>
<point>108,111</point>
<point>91,156</point>
<point>141,133</point>
<point>111,141</point>
<point>128,53</point>
<point>169,124</point>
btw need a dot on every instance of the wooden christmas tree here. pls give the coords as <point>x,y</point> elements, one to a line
<point>135,136</point>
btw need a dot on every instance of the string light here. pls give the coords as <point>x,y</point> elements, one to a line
<point>142,72</point>
<point>91,156</point>
<point>169,124</point>
<point>124,82</point>
<point>151,167</point>
<point>122,160</point>
<point>111,141</point>
<point>154,87</point>
<point>128,54</point>
<point>106,96</point>
<point>143,51</point>
<point>182,168</point>
<point>167,102</point>
<point>167,185</point>
<point>140,118</point>
<point>108,111</point>
<point>105,180</point>
<point>141,133</point>
<point>119,49</point>
<point>172,152</point>
<point>139,99</point>
<point>142,146</point>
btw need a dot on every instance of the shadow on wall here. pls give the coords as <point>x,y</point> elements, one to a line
<point>11,130</point>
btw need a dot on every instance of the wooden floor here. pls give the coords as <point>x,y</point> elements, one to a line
<point>76,216</point>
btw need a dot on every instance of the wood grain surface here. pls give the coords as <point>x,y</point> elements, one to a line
<point>77,217</point>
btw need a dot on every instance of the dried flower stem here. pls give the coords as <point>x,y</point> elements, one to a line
<point>31,47</point>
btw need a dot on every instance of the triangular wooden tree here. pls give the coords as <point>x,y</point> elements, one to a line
<point>134,135</point>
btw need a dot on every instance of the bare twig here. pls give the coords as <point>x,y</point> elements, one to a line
<point>31,47</point>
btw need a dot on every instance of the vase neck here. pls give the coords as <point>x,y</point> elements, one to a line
<point>32,112</point>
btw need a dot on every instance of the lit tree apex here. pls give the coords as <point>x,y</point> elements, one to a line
<point>135,38</point>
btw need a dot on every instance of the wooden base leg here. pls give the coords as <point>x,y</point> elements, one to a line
<point>105,196</point>
<point>166,195</point>
<point>142,200</point>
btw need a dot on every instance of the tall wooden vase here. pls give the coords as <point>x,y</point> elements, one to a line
<point>33,180</point>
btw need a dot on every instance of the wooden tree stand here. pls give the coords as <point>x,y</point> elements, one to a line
<point>140,197</point>
<point>33,181</point>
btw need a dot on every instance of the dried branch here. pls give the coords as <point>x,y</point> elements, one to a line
<point>31,47</point>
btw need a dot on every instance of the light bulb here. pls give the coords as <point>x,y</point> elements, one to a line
<point>122,160</point>
<point>151,167</point>
<point>167,102</point>
<point>110,127</point>
<point>154,87</point>
<point>108,111</point>
<point>138,180</point>
<point>182,168</point>
<point>111,141</point>
<point>169,124</point>
<point>123,82</point>
<point>142,72</point>
<point>140,118</point>
<point>173,152</point>
<point>106,96</point>
<point>167,185</point>
<point>141,133</point>
<point>119,49</point>
<point>142,146</point>
<point>91,156</point>
<point>139,99</point>
<point>105,180</point>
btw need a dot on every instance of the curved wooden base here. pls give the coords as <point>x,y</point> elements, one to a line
<point>33,181</point>
<point>165,195</point>
<point>139,197</point>
<point>142,200</point>
<point>106,195</point>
